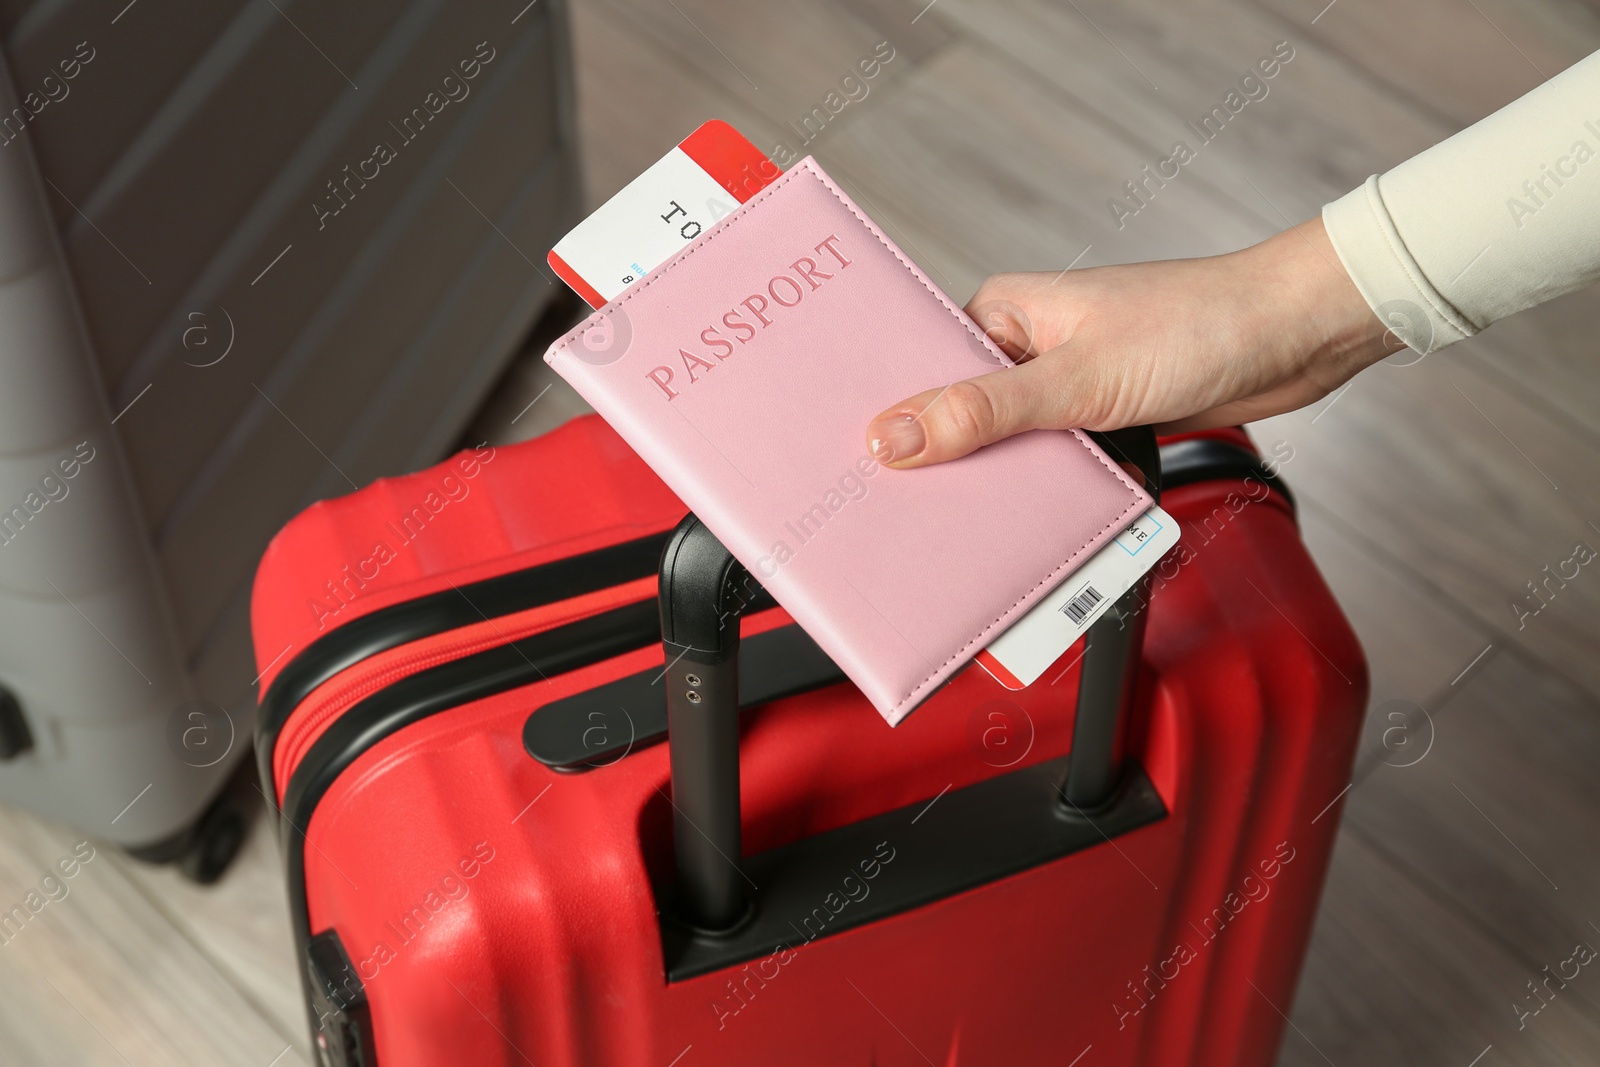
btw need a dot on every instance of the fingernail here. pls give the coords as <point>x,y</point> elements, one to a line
<point>898,437</point>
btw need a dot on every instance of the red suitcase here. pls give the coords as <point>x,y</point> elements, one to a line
<point>491,859</point>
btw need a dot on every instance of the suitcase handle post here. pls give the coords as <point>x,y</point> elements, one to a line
<point>1111,655</point>
<point>703,592</point>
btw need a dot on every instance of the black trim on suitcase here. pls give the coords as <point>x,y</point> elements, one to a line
<point>448,609</point>
<point>462,681</point>
<point>1205,459</point>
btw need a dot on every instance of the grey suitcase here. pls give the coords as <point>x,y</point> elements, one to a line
<point>251,255</point>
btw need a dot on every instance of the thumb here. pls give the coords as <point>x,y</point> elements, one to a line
<point>945,424</point>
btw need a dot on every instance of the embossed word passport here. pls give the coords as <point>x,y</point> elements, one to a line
<point>745,369</point>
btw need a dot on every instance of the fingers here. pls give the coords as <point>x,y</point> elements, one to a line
<point>945,424</point>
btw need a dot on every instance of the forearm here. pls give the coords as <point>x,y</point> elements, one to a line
<point>1498,218</point>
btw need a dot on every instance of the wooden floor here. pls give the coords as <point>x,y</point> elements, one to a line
<point>1431,493</point>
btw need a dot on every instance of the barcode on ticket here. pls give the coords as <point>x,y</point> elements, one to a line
<point>1023,654</point>
<point>1080,606</point>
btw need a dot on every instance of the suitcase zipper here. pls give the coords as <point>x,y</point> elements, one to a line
<point>431,615</point>
<point>330,700</point>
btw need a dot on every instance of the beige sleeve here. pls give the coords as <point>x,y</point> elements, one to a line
<point>1498,218</point>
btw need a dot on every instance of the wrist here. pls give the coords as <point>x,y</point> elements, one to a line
<point>1321,313</point>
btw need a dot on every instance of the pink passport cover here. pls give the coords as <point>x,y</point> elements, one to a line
<point>750,396</point>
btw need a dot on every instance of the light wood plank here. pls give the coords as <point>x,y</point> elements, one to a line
<point>1414,644</point>
<point>623,131</point>
<point>779,59</point>
<point>632,131</point>
<point>1461,61</point>
<point>101,976</point>
<point>1025,192</point>
<point>240,924</point>
<point>1497,822</point>
<point>1393,978</point>
<point>1154,70</point>
<point>1546,355</point>
<point>1435,465</point>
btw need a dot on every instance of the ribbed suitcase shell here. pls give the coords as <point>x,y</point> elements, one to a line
<point>499,912</point>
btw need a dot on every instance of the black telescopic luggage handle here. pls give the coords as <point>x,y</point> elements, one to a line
<point>703,592</point>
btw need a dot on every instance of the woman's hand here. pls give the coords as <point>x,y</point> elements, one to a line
<point>1185,344</point>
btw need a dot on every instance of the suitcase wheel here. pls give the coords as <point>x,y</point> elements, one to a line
<point>203,851</point>
<point>216,839</point>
